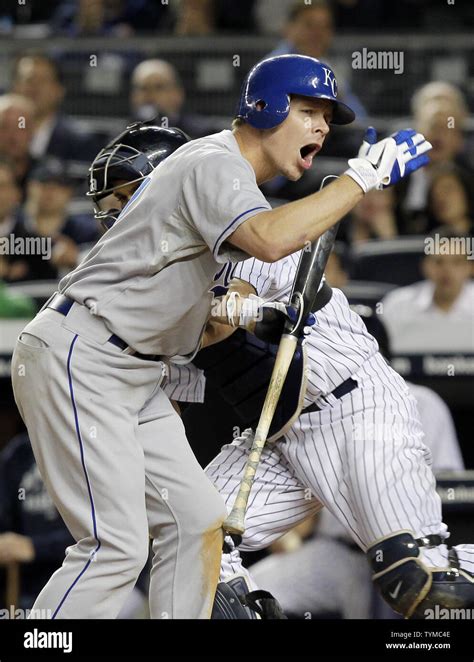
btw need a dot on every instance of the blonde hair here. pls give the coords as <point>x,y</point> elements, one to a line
<point>237,122</point>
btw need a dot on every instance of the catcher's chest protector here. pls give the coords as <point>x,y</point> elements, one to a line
<point>240,368</point>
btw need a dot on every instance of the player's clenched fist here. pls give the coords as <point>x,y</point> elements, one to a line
<point>383,163</point>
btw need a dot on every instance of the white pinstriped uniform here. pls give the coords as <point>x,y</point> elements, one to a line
<point>327,574</point>
<point>362,456</point>
<point>185,383</point>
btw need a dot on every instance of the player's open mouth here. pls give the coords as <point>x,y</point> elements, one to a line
<point>308,152</point>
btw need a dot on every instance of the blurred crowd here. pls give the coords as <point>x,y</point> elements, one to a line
<point>44,155</point>
<point>124,18</point>
<point>40,146</point>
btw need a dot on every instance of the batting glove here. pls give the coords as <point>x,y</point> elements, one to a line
<point>384,163</point>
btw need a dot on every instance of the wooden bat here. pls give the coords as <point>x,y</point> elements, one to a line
<point>305,288</point>
<point>12,591</point>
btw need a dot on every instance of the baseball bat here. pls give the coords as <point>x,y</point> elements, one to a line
<point>12,592</point>
<point>305,288</point>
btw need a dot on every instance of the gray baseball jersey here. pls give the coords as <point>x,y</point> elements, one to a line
<point>149,276</point>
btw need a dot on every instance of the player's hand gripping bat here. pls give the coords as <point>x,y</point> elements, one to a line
<point>305,287</point>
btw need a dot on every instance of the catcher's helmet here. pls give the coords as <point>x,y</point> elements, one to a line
<point>271,82</point>
<point>130,157</point>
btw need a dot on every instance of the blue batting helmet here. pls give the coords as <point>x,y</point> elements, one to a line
<point>271,82</point>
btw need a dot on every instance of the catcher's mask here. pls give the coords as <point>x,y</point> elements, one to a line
<point>126,160</point>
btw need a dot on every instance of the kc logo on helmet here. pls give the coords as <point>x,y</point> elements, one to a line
<point>330,81</point>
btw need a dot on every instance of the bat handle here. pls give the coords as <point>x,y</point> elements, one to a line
<point>12,592</point>
<point>235,521</point>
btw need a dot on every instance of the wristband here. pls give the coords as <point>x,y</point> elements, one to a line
<point>363,173</point>
<point>250,312</point>
<point>231,308</point>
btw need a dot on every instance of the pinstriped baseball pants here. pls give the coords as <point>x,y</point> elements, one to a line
<point>362,457</point>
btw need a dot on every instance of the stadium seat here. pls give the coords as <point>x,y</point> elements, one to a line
<point>365,293</point>
<point>395,261</point>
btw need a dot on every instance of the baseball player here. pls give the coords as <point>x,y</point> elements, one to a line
<point>187,384</point>
<point>338,346</point>
<point>91,360</point>
<point>113,180</point>
<point>121,552</point>
<point>329,572</point>
<point>356,447</point>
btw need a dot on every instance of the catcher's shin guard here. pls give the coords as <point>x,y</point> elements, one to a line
<point>234,601</point>
<point>409,586</point>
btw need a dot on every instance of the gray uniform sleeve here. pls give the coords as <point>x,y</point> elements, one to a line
<point>219,194</point>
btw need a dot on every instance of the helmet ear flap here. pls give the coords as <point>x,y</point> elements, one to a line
<point>270,113</point>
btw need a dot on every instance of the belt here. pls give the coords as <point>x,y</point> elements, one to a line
<point>343,389</point>
<point>63,304</point>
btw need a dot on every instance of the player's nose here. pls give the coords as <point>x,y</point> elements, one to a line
<point>320,125</point>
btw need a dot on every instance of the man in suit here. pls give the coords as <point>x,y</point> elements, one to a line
<point>158,91</point>
<point>38,78</point>
<point>16,131</point>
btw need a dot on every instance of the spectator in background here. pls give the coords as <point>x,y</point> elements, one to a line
<point>195,17</point>
<point>450,199</point>
<point>271,16</point>
<point>372,218</point>
<point>13,13</point>
<point>202,17</point>
<point>337,272</point>
<point>117,18</point>
<point>436,314</point>
<point>309,30</point>
<point>45,214</point>
<point>157,92</point>
<point>10,197</point>
<point>38,78</point>
<point>440,113</point>
<point>31,531</point>
<point>16,132</point>
<point>439,91</point>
